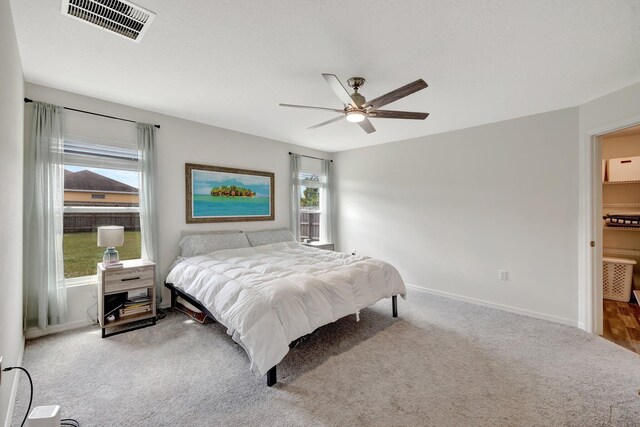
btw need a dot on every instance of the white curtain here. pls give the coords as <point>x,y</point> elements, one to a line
<point>295,195</point>
<point>45,291</point>
<point>147,191</point>
<point>327,205</point>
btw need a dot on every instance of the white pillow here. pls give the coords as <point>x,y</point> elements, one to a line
<point>266,237</point>
<point>200,244</point>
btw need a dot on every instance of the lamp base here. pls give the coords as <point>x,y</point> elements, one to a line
<point>110,257</point>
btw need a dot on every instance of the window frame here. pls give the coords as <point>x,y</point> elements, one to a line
<point>320,184</point>
<point>91,153</point>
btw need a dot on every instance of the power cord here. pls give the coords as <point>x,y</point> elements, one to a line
<point>30,383</point>
<point>94,319</point>
<point>64,422</point>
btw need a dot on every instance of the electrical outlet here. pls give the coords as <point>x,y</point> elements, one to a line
<point>503,275</point>
<point>0,369</point>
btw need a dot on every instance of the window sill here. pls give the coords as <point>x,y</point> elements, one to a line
<point>81,281</point>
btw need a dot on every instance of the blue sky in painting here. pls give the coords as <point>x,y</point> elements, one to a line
<point>204,181</point>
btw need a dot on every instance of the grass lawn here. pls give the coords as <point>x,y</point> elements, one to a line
<point>81,253</point>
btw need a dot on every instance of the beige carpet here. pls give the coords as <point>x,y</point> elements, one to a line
<point>441,363</point>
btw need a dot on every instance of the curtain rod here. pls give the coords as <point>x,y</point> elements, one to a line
<point>27,100</point>
<point>310,157</point>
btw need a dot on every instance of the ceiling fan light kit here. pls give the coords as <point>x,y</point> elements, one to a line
<point>355,116</point>
<point>356,109</point>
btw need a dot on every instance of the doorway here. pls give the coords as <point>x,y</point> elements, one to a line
<point>620,243</point>
<point>591,225</point>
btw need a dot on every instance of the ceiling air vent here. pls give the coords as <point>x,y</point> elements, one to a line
<point>117,16</point>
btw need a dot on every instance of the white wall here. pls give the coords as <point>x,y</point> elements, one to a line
<point>178,142</point>
<point>449,210</point>
<point>11,147</point>
<point>610,109</point>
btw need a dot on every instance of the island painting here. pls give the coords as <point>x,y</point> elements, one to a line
<point>217,194</point>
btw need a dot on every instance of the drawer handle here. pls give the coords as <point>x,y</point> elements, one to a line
<point>626,161</point>
<point>131,278</point>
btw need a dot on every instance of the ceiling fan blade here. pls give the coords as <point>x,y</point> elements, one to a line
<point>310,107</point>
<point>367,126</point>
<point>388,114</point>
<point>394,95</point>
<point>339,90</point>
<point>335,119</point>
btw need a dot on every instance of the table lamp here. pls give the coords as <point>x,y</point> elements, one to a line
<point>110,236</point>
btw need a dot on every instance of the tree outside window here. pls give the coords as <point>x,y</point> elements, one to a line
<point>310,198</point>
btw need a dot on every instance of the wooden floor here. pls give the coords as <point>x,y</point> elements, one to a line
<point>622,324</point>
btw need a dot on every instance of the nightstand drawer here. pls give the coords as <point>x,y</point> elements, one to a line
<point>130,278</point>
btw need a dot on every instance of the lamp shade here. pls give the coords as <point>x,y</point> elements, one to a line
<point>110,236</point>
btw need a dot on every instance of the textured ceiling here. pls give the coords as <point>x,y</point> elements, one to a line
<point>229,63</point>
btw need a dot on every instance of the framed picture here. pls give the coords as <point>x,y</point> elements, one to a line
<point>217,194</point>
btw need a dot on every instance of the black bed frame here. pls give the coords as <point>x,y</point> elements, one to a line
<point>272,377</point>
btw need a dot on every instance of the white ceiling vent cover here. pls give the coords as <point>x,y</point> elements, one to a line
<point>116,16</point>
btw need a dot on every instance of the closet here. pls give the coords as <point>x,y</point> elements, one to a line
<point>621,236</point>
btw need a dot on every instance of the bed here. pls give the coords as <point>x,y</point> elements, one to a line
<point>270,291</point>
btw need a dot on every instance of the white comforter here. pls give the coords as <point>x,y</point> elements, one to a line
<point>267,296</point>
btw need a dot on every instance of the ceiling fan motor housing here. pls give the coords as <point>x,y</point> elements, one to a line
<point>358,99</point>
<point>356,83</point>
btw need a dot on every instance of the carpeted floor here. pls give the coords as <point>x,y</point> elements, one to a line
<point>441,363</point>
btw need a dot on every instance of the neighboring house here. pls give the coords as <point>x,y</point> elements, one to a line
<point>92,200</point>
<point>86,188</point>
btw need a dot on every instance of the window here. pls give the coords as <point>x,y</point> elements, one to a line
<point>311,206</point>
<point>310,194</point>
<point>100,188</point>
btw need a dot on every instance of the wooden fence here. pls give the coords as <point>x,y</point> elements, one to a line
<point>310,226</point>
<point>88,222</point>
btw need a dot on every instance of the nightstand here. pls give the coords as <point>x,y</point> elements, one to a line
<point>319,245</point>
<point>126,294</point>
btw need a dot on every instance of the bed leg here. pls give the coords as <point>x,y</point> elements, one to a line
<point>174,299</point>
<point>272,378</point>
<point>394,305</point>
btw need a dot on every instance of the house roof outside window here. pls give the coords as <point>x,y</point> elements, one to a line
<point>86,180</point>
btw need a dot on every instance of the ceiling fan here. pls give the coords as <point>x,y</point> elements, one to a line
<point>358,110</point>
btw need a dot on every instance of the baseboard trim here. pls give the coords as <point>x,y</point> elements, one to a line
<point>502,307</point>
<point>14,388</point>
<point>36,333</point>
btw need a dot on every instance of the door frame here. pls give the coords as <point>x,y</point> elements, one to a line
<point>590,315</point>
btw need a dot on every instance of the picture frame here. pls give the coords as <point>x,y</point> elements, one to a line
<point>222,194</point>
